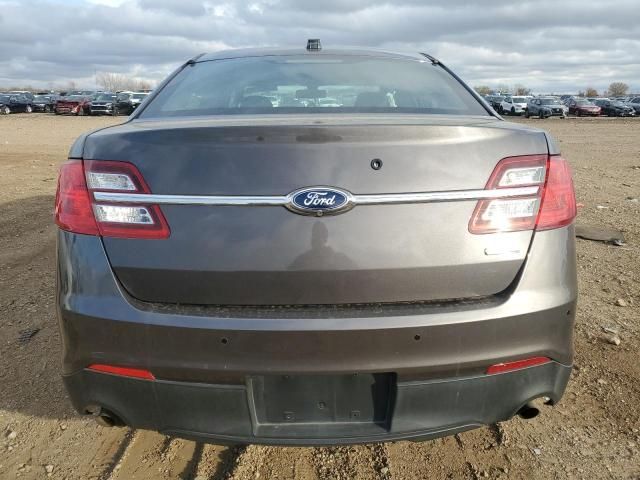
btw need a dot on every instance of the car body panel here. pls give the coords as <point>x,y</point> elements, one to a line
<point>284,255</point>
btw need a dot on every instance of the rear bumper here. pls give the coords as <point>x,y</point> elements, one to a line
<point>203,357</point>
<point>225,413</point>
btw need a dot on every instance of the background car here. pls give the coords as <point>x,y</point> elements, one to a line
<point>635,104</point>
<point>102,104</point>
<point>44,103</point>
<point>544,107</point>
<point>613,108</point>
<point>71,105</point>
<point>581,106</point>
<point>12,103</point>
<point>514,105</point>
<point>128,102</point>
<point>495,101</point>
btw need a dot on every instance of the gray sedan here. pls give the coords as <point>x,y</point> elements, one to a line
<point>311,247</point>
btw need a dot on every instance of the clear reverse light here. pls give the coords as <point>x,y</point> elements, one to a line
<point>509,209</point>
<point>123,214</point>
<point>110,181</point>
<point>522,176</point>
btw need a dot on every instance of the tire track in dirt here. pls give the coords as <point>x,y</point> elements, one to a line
<point>217,462</point>
<point>273,462</point>
<point>479,453</point>
<point>114,451</point>
<point>152,455</point>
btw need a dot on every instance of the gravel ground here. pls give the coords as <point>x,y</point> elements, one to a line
<point>593,433</point>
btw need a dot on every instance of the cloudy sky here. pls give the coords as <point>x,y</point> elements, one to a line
<point>547,45</point>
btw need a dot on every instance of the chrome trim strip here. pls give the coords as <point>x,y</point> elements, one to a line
<point>431,197</point>
<point>284,200</point>
<point>218,200</point>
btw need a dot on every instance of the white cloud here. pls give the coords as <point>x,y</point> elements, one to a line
<point>544,44</point>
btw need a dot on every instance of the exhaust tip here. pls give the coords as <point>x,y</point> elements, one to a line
<point>103,417</point>
<point>529,411</point>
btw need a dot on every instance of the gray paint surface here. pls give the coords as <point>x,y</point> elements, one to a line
<point>267,255</point>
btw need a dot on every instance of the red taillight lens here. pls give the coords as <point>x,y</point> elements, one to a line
<point>558,200</point>
<point>514,213</point>
<point>553,205</point>
<point>78,212</point>
<point>517,365</point>
<point>122,371</point>
<point>121,219</point>
<point>74,211</point>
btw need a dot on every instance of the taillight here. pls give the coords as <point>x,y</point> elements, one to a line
<point>551,206</point>
<point>74,211</point>
<point>108,219</point>
<point>558,199</point>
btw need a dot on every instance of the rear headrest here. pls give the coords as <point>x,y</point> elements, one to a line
<point>372,99</point>
<point>257,101</point>
<point>405,100</point>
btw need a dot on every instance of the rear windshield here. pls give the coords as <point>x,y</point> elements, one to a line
<point>300,84</point>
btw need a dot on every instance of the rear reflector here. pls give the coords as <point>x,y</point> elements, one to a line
<point>76,210</point>
<point>552,207</point>
<point>517,365</point>
<point>122,371</point>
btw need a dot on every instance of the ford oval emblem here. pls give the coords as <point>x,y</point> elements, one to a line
<point>319,201</point>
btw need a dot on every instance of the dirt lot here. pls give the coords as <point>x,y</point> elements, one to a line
<point>593,433</point>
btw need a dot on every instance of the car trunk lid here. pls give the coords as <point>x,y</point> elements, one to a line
<point>269,255</point>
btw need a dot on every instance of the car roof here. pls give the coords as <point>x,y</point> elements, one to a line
<point>268,52</point>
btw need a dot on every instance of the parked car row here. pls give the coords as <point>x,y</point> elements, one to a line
<point>80,102</point>
<point>549,106</point>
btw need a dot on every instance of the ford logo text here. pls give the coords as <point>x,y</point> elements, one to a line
<point>319,201</point>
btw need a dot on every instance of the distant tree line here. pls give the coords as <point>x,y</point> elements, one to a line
<point>111,82</point>
<point>114,82</point>
<point>517,89</point>
<point>616,89</point>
